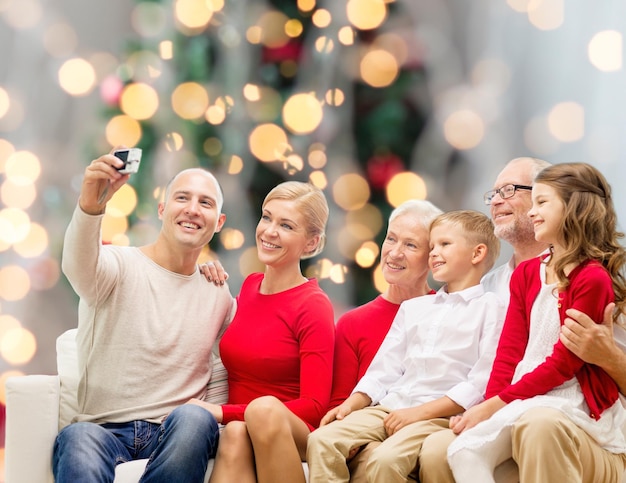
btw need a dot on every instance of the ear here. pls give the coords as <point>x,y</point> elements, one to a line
<point>220,222</point>
<point>479,254</point>
<point>160,209</point>
<point>311,244</point>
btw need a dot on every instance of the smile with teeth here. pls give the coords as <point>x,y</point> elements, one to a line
<point>269,245</point>
<point>437,265</point>
<point>393,266</point>
<point>188,224</point>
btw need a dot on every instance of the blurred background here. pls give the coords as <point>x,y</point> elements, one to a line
<point>374,101</point>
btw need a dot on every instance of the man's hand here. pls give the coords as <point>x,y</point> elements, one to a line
<point>590,341</point>
<point>100,182</point>
<point>214,272</point>
<point>476,414</point>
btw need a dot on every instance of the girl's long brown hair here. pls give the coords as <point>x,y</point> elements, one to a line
<point>589,225</point>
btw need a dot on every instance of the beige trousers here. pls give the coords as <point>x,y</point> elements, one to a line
<point>547,447</point>
<point>391,461</point>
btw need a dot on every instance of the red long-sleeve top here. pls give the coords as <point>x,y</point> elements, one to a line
<point>360,332</point>
<point>590,290</point>
<point>280,345</point>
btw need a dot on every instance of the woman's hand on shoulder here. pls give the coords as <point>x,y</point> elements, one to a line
<point>214,272</point>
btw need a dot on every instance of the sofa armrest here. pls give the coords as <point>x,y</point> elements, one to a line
<point>32,423</point>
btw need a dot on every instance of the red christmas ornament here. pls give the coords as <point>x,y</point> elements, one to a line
<point>381,168</point>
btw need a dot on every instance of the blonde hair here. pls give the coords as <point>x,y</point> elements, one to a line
<point>588,229</point>
<point>312,205</point>
<point>477,227</point>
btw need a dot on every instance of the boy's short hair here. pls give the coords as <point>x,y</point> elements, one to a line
<point>478,228</point>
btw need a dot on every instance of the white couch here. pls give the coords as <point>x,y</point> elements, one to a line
<point>39,405</point>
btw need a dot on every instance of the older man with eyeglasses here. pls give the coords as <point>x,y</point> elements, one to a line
<point>547,446</point>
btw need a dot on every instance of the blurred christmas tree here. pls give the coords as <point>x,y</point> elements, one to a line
<point>261,92</point>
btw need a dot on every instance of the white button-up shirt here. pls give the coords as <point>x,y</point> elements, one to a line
<point>438,345</point>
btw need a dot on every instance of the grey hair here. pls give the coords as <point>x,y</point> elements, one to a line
<point>424,211</point>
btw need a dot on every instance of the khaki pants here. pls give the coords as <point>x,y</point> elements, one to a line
<point>393,460</point>
<point>548,448</point>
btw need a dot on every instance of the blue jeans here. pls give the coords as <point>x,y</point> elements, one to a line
<point>178,450</point>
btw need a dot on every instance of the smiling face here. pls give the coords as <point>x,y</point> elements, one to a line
<point>191,211</point>
<point>547,214</point>
<point>281,234</point>
<point>510,216</point>
<point>451,253</point>
<point>404,253</point>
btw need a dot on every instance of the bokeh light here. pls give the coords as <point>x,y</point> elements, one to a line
<point>268,142</point>
<point>351,191</point>
<point>18,346</point>
<point>44,273</point>
<point>605,51</point>
<point>190,100</point>
<point>464,129</point>
<point>231,238</point>
<point>379,68</point>
<point>405,186</point>
<point>14,195</point>
<point>22,168</point>
<point>22,14</point>
<point>546,14</point>
<point>302,113</point>
<point>60,39</point>
<point>14,283</point>
<point>14,225</point>
<point>34,243</point>
<point>123,202</point>
<point>566,121</point>
<point>367,254</point>
<point>366,14</point>
<point>77,77</point>
<point>113,226</point>
<point>123,130</point>
<point>139,101</point>
<point>193,14</point>
<point>272,25</point>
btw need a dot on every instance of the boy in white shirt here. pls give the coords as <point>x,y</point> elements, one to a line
<point>434,362</point>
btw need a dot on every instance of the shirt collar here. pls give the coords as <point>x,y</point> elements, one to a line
<point>466,294</point>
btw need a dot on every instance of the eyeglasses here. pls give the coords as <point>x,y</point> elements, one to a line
<point>506,191</point>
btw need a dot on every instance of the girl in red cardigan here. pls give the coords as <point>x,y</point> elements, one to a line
<point>573,212</point>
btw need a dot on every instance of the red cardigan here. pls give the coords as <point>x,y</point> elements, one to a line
<point>590,291</point>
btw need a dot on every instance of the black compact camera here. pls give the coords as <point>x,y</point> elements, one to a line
<point>131,158</point>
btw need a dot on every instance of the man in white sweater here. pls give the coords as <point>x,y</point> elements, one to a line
<point>148,320</point>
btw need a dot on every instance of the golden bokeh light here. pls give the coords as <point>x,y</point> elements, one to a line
<point>22,14</point>
<point>77,77</point>
<point>324,44</point>
<point>5,102</point>
<point>216,5</point>
<point>321,18</point>
<point>173,141</point>
<point>34,243</point>
<point>464,129</point>
<point>272,25</point>
<point>604,50</point>
<point>17,196</point>
<point>351,191</point>
<point>14,283</point>
<point>302,113</point>
<point>193,14</point>
<point>367,254</point>
<point>190,100</point>
<point>232,239</point>
<point>268,142</point>
<point>215,115</point>
<point>405,186</point>
<point>18,346</point>
<point>366,14</point>
<point>22,168</point>
<point>123,130</point>
<point>317,158</point>
<point>346,35</point>
<point>249,262</point>
<point>318,178</point>
<point>546,14</point>
<point>44,273</point>
<point>166,49</point>
<point>14,225</point>
<point>235,165</point>
<point>395,45</point>
<point>294,28</point>
<point>379,280</point>
<point>123,202</point>
<point>7,323</point>
<point>334,97</point>
<point>306,5</point>
<point>113,226</point>
<point>252,92</point>
<point>338,273</point>
<point>254,34</point>
<point>379,68</point>
<point>566,122</point>
<point>139,101</point>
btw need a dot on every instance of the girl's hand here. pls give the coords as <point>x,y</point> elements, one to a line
<point>214,409</point>
<point>214,272</point>
<point>475,415</point>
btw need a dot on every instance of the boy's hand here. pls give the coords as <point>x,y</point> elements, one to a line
<point>398,419</point>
